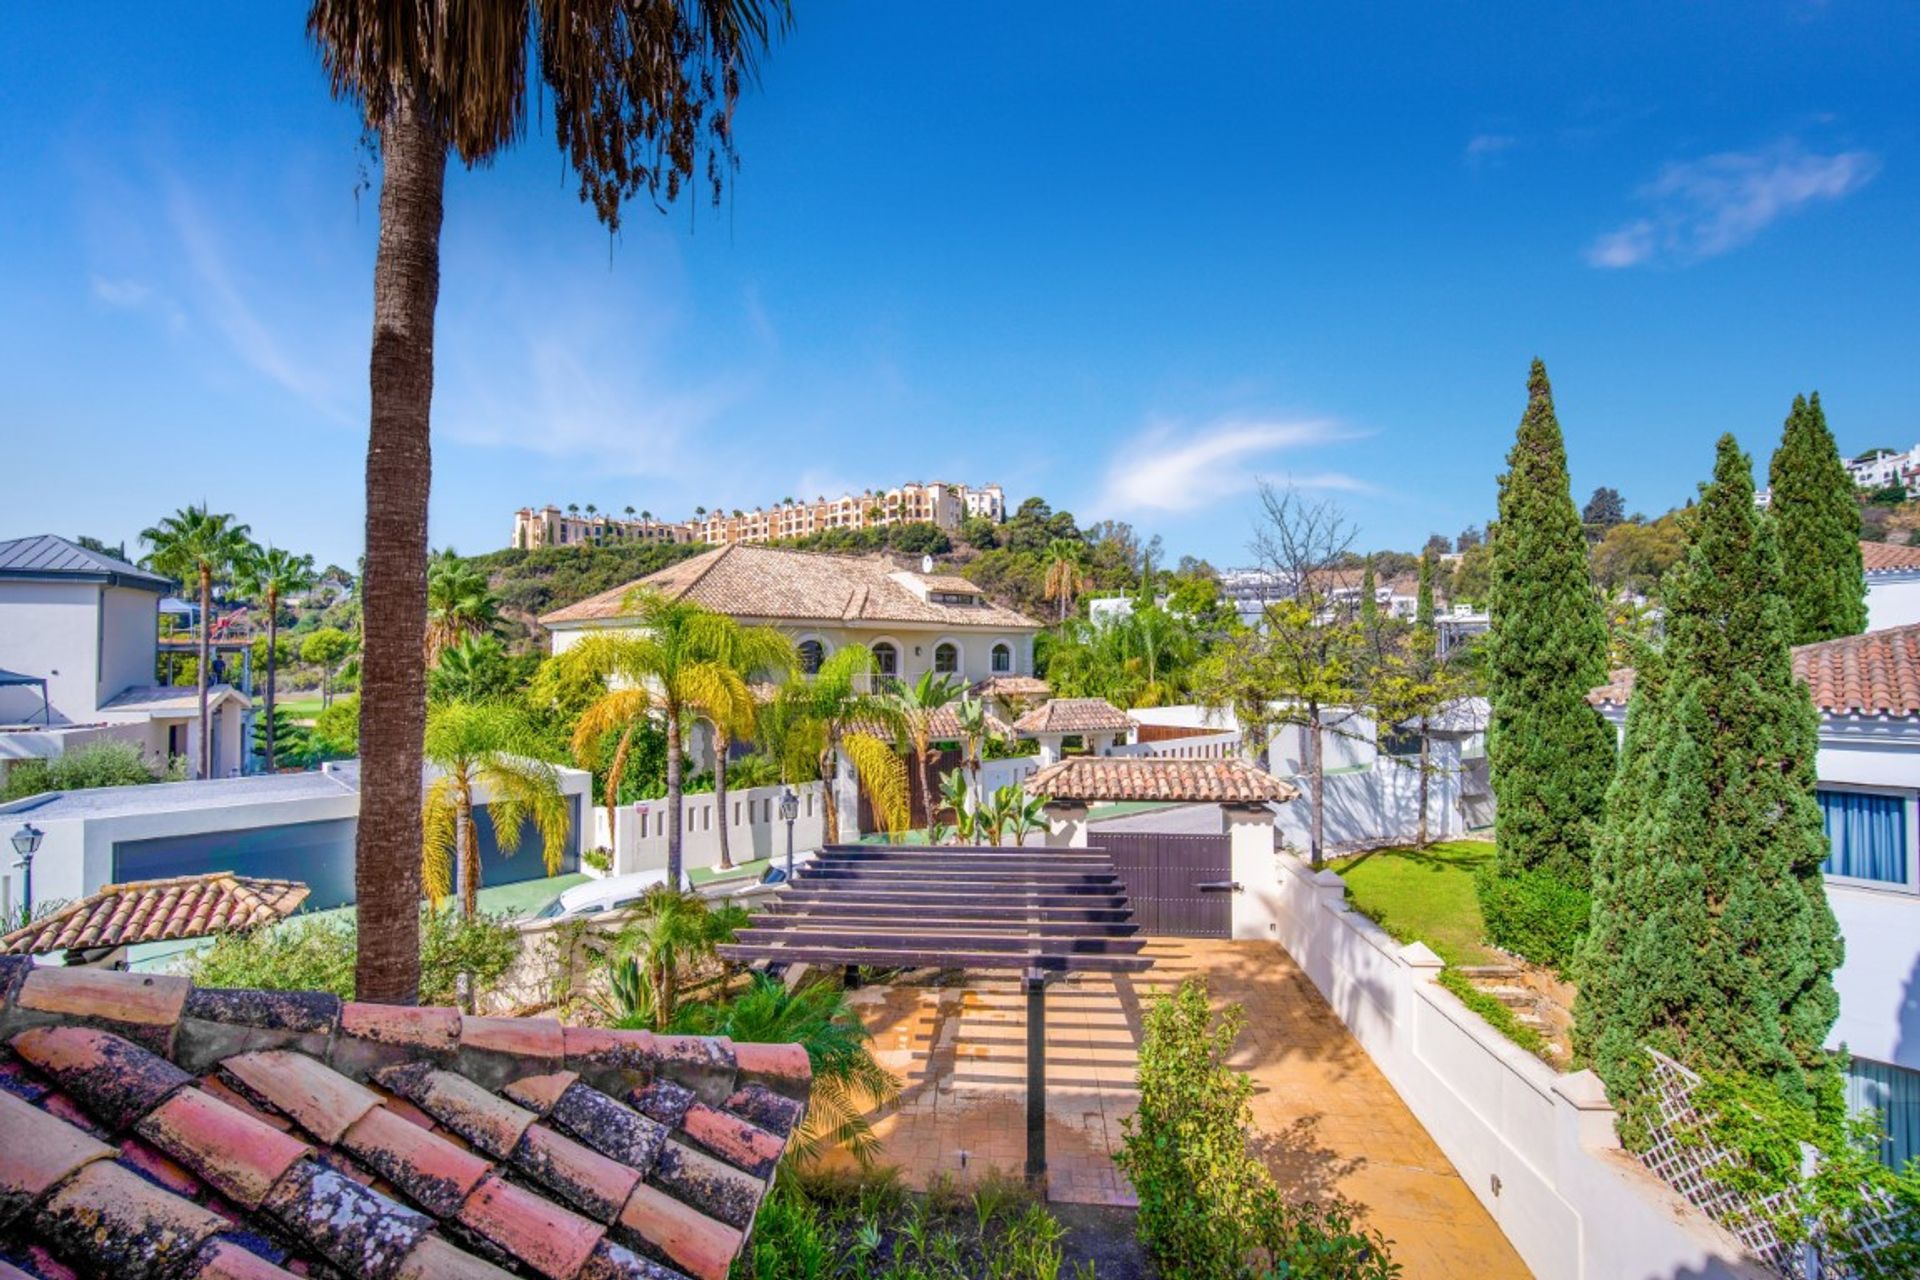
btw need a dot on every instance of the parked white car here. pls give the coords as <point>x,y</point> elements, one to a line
<point>595,897</point>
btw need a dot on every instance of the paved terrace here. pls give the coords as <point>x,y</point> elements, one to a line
<point>1328,1120</point>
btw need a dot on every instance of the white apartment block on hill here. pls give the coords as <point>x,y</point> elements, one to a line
<point>946,506</point>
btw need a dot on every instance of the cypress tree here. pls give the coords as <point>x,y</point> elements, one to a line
<point>1711,938</point>
<point>1369,606</point>
<point>1423,603</point>
<point>1549,751</point>
<point>1817,523</point>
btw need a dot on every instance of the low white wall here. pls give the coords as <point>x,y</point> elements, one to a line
<point>1536,1147</point>
<point>1380,802</point>
<point>995,774</point>
<point>1206,746</point>
<point>755,829</point>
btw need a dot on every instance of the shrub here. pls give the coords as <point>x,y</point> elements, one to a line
<point>335,734</point>
<point>316,953</point>
<point>1534,913</point>
<point>1492,1012</point>
<point>1208,1207</point>
<point>111,763</point>
<point>597,858</point>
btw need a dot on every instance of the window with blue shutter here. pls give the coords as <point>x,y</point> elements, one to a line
<point>1867,831</point>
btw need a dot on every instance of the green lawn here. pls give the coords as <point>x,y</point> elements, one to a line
<point>296,708</point>
<point>1426,896</point>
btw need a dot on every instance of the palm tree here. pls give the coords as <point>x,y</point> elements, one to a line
<point>460,603</point>
<point>747,652</point>
<point>573,508</point>
<point>672,931</point>
<point>848,1082</point>
<point>629,511</point>
<point>971,712</point>
<point>917,704</point>
<point>268,575</point>
<point>1065,576</point>
<point>637,99</point>
<point>485,745</point>
<point>845,718</point>
<point>194,544</point>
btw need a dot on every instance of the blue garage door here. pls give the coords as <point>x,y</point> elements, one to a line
<point>317,853</point>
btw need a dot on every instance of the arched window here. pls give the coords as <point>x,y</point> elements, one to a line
<point>886,659</point>
<point>812,654</point>
<point>946,658</point>
<point>1002,659</point>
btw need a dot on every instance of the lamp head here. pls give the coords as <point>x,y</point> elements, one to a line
<point>26,841</point>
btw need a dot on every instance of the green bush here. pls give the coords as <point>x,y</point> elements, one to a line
<point>1492,1012</point>
<point>335,734</point>
<point>1534,913</point>
<point>599,859</point>
<point>316,953</point>
<point>1208,1208</point>
<point>111,763</point>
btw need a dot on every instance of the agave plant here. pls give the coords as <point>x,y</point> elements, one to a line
<point>848,1082</point>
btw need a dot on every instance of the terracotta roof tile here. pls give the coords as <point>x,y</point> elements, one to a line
<point>1094,778</point>
<point>1073,715</point>
<point>1875,674</point>
<point>157,911</point>
<point>1013,687</point>
<point>798,586</point>
<point>1887,557</point>
<point>283,1151</point>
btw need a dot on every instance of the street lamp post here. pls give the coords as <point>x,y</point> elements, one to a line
<point>26,843</point>
<point>789,810</point>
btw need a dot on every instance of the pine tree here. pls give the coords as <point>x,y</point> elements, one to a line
<point>1712,940</point>
<point>1423,603</point>
<point>1817,522</point>
<point>1549,751</point>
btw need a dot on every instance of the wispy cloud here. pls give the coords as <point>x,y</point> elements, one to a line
<point>1174,467</point>
<point>124,294</point>
<point>1485,148</point>
<point>1706,207</point>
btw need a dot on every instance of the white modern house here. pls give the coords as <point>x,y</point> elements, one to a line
<point>79,638</point>
<point>286,826</point>
<point>1867,689</point>
<point>913,621</point>
<point>1893,584</point>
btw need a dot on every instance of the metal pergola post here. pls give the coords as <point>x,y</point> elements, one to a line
<point>1034,983</point>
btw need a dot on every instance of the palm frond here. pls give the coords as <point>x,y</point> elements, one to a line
<point>884,774</point>
<point>437,824</point>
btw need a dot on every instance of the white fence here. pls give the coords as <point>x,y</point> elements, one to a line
<point>1537,1148</point>
<point>754,828</point>
<point>1210,746</point>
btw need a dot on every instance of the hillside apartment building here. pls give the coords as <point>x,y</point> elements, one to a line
<point>946,506</point>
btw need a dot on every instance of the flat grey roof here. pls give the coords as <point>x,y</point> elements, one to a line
<point>163,797</point>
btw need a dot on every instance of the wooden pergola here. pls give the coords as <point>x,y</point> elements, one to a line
<point>1040,913</point>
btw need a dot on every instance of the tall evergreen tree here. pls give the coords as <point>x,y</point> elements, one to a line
<point>1423,603</point>
<point>1369,603</point>
<point>1549,751</point>
<point>1712,940</point>
<point>1817,523</point>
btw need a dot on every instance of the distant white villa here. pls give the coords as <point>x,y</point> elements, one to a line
<point>914,621</point>
<point>79,637</point>
<point>1878,468</point>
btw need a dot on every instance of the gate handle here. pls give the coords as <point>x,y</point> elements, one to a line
<point>1218,886</point>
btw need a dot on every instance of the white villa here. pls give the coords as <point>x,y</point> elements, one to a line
<point>1867,688</point>
<point>1893,584</point>
<point>914,621</point>
<point>79,636</point>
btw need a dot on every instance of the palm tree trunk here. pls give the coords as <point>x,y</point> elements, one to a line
<point>720,796</point>
<point>393,587</point>
<point>829,801</point>
<point>200,676</point>
<point>673,798</point>
<point>273,637</point>
<point>920,753</point>
<point>616,771</point>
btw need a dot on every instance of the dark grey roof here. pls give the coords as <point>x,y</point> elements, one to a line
<point>14,677</point>
<point>50,556</point>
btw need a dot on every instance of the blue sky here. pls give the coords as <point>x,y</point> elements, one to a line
<point>1128,256</point>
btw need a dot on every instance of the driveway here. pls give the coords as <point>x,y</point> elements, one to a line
<point>1327,1120</point>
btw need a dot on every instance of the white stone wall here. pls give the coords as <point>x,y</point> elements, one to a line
<point>755,829</point>
<point>1536,1147</point>
<point>50,629</point>
<point>1893,600</point>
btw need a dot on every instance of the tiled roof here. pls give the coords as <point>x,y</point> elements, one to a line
<point>1886,557</point>
<point>165,697</point>
<point>1074,715</point>
<point>50,556</point>
<point>1013,687</point>
<point>945,724</point>
<point>1873,674</point>
<point>1089,778</point>
<point>158,910</point>
<point>155,1129</point>
<point>795,586</point>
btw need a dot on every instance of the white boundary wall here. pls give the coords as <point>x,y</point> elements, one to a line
<point>1537,1147</point>
<point>756,829</point>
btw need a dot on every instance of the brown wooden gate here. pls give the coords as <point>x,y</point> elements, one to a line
<point>1181,886</point>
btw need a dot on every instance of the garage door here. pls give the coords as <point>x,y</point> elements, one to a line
<point>1180,885</point>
